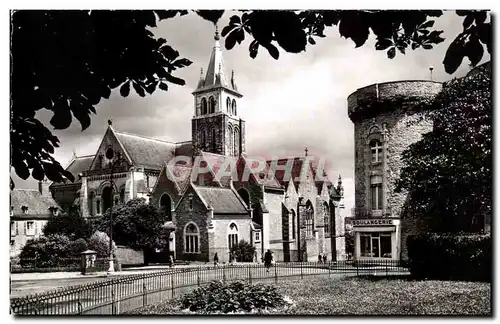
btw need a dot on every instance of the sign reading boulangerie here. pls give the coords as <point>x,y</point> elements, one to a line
<point>364,222</point>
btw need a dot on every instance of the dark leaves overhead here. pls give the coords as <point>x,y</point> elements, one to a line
<point>67,61</point>
<point>210,15</point>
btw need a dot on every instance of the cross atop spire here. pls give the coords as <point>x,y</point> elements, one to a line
<point>306,151</point>
<point>216,37</point>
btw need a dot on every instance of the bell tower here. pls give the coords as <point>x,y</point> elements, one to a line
<point>216,125</point>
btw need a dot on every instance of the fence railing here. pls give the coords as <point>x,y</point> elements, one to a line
<point>129,292</point>
<point>56,265</point>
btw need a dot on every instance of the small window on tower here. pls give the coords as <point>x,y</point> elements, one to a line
<point>211,102</point>
<point>203,106</point>
<point>376,151</point>
<point>228,105</point>
<point>234,107</point>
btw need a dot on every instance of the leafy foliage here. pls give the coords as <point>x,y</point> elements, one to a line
<point>136,224</point>
<point>237,296</point>
<point>450,256</point>
<point>72,225</point>
<point>82,55</point>
<point>394,31</point>
<point>77,247</point>
<point>244,251</point>
<point>46,251</point>
<point>451,185</point>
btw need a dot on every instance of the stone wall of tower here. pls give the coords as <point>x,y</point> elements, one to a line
<point>387,112</point>
<point>209,124</point>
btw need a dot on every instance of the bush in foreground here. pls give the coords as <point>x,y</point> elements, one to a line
<point>450,256</point>
<point>234,297</point>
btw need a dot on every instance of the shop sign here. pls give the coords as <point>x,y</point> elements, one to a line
<point>370,222</point>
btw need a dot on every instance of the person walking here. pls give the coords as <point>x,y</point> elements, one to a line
<point>268,259</point>
<point>171,261</point>
<point>319,258</point>
<point>324,258</point>
<point>216,259</point>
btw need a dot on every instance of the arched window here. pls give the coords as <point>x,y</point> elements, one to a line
<point>231,141</point>
<point>203,106</point>
<point>211,104</point>
<point>232,236</point>
<point>98,207</point>
<point>191,238</point>
<point>107,198</point>
<point>294,230</point>
<point>234,107</point>
<point>122,194</point>
<point>166,206</point>
<point>214,140</point>
<point>203,139</point>
<point>309,217</point>
<point>244,195</point>
<point>326,211</point>
<point>228,105</point>
<point>376,150</point>
<point>91,203</point>
<point>236,141</point>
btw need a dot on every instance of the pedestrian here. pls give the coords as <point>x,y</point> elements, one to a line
<point>216,259</point>
<point>171,261</point>
<point>324,258</point>
<point>231,256</point>
<point>268,259</point>
<point>319,258</point>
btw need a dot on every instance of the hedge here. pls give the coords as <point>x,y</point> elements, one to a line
<point>450,256</point>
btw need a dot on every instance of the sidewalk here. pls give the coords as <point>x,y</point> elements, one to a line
<point>103,274</point>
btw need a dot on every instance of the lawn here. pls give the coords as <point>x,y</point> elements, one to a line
<point>371,296</point>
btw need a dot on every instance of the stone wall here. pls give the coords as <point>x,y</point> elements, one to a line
<point>221,227</point>
<point>128,256</point>
<point>199,215</point>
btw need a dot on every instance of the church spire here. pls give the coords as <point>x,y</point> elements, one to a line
<point>215,76</point>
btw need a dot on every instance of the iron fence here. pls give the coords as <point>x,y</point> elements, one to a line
<point>126,293</point>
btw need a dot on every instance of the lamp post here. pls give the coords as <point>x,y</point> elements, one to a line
<point>110,155</point>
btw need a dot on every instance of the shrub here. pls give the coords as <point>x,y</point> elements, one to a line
<point>237,296</point>
<point>450,256</point>
<point>77,247</point>
<point>45,251</point>
<point>244,251</point>
<point>99,242</point>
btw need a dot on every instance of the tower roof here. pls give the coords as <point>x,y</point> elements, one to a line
<point>216,71</point>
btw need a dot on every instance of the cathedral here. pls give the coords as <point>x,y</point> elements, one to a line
<point>285,205</point>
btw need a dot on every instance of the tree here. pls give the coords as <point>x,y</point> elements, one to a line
<point>451,185</point>
<point>137,225</point>
<point>72,225</point>
<point>82,55</point>
<point>244,251</point>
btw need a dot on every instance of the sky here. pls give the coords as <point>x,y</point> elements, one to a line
<point>289,104</point>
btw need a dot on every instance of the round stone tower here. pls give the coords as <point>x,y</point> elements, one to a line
<point>387,119</point>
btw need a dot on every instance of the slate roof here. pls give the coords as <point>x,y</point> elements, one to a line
<point>146,152</point>
<point>182,174</point>
<point>77,166</point>
<point>184,149</point>
<point>223,200</point>
<point>294,172</point>
<point>262,177</point>
<point>37,204</point>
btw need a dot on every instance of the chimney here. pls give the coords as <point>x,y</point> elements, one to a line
<point>43,188</point>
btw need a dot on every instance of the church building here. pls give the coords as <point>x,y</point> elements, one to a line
<point>285,205</point>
